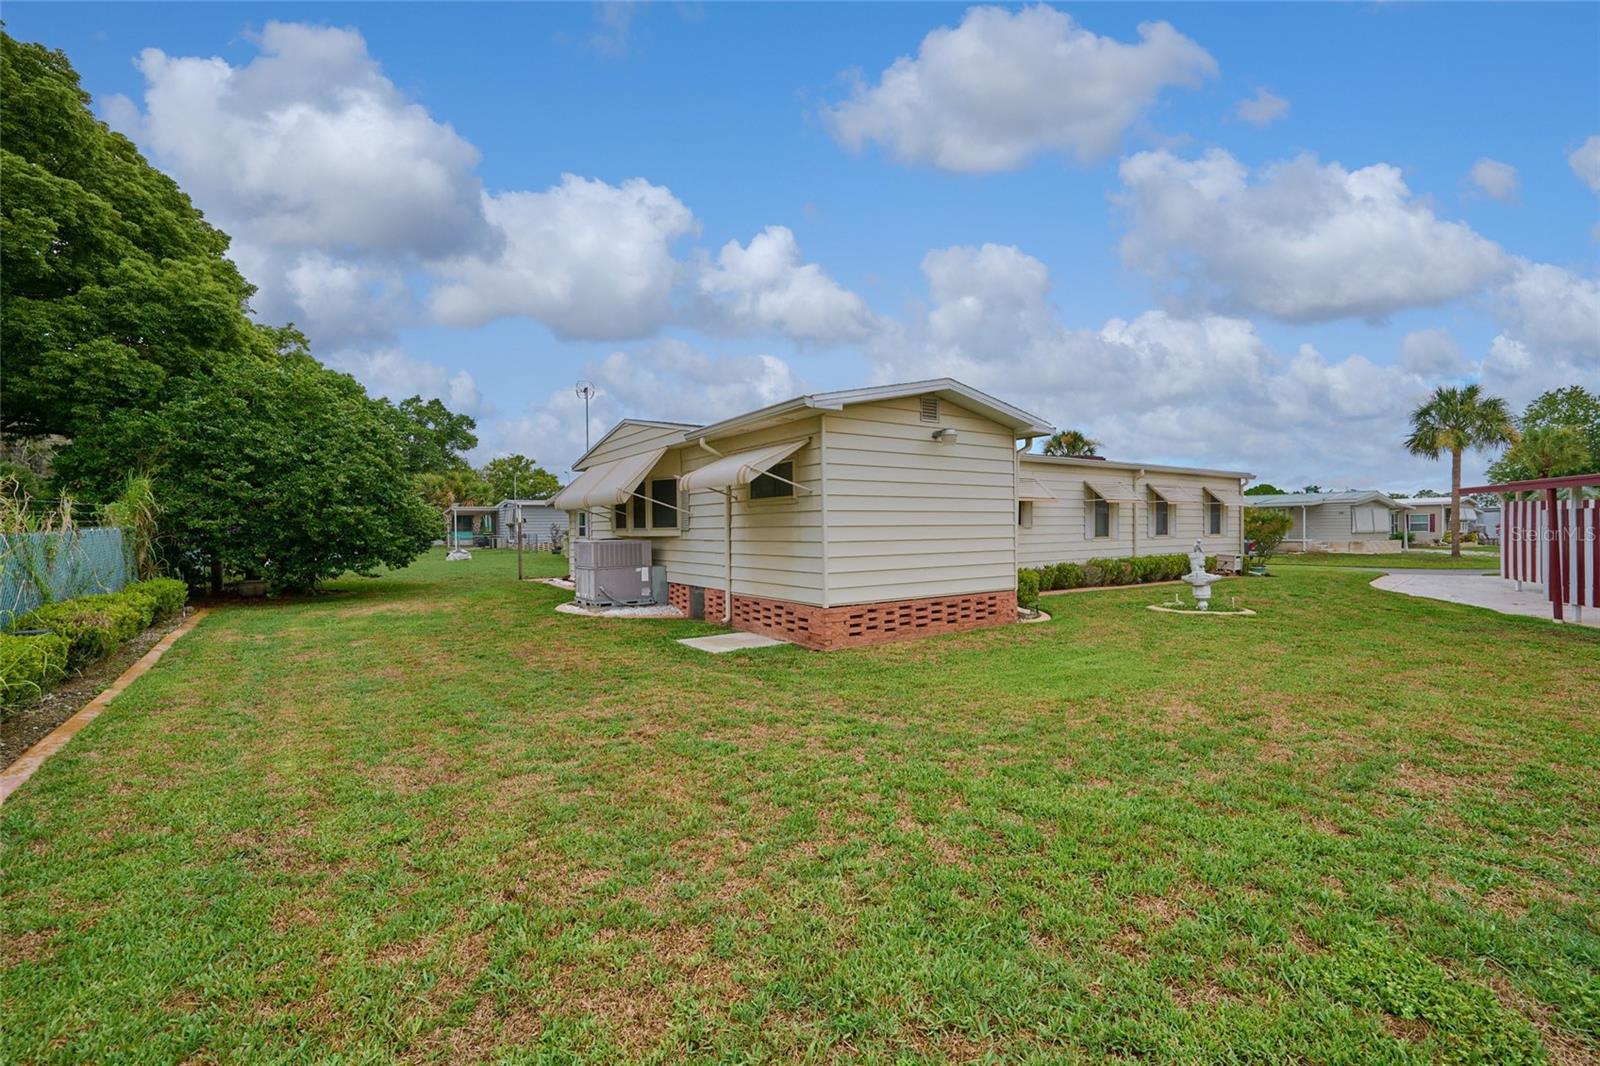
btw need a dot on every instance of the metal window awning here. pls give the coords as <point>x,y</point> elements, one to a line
<point>1228,494</point>
<point>607,484</point>
<point>740,468</point>
<point>1177,493</point>
<point>1111,491</point>
<point>1031,488</point>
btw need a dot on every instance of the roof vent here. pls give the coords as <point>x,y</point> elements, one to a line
<point>930,408</point>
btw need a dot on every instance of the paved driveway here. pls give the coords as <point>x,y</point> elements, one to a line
<point>1477,590</point>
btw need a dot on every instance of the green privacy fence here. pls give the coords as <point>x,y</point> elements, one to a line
<point>40,568</point>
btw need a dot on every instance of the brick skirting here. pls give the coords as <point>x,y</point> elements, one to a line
<point>857,625</point>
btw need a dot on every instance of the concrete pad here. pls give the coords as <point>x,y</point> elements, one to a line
<point>1478,590</point>
<point>726,642</point>
<point>661,610</point>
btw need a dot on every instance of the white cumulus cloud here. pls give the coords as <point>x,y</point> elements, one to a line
<point>1004,87</point>
<point>668,380</point>
<point>1204,388</point>
<point>588,259</point>
<point>1431,353</point>
<point>395,373</point>
<point>1585,162</point>
<point>1496,180</point>
<point>1302,241</point>
<point>766,287</point>
<point>1262,109</point>
<point>309,145</point>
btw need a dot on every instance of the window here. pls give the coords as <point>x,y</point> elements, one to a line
<point>583,523</point>
<point>1419,523</point>
<point>664,503</point>
<point>619,516</point>
<point>1161,519</point>
<point>930,408</point>
<point>770,487</point>
<point>1214,516</point>
<point>1102,517</point>
<point>639,506</point>
<point>1025,514</point>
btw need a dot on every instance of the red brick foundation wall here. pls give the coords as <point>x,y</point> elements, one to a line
<point>858,625</point>
<point>678,596</point>
<point>863,624</point>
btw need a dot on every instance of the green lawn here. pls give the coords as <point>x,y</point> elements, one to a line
<point>1481,559</point>
<point>431,819</point>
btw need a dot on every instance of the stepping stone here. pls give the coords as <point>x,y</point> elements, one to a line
<point>725,642</point>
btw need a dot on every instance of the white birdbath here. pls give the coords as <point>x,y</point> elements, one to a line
<point>1198,579</point>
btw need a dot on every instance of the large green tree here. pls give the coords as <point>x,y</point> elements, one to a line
<point>1454,419</point>
<point>114,284</point>
<point>280,469</point>
<point>1561,431</point>
<point>126,334</point>
<point>513,477</point>
<point>434,438</point>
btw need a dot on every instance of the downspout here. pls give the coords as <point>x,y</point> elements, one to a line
<point>1303,548</point>
<point>1134,507</point>
<point>727,543</point>
<point>1241,524</point>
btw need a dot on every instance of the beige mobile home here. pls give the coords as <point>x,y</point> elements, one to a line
<point>1427,518</point>
<point>1356,521</point>
<point>1070,510</point>
<point>873,514</point>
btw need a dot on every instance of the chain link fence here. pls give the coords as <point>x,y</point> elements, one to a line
<point>40,568</point>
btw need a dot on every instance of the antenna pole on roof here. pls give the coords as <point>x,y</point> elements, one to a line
<point>585,391</point>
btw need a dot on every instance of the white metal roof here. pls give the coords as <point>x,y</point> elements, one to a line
<point>1315,499</point>
<point>1018,420</point>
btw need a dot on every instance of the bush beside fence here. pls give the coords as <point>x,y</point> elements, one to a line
<point>81,632</point>
<point>1102,573</point>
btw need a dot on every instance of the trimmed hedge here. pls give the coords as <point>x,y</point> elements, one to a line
<point>168,593</point>
<point>30,666</point>
<point>1098,573</point>
<point>1028,589</point>
<point>91,627</point>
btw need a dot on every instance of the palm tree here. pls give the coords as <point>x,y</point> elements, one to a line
<point>1544,451</point>
<point>1070,442</point>
<point>1452,420</point>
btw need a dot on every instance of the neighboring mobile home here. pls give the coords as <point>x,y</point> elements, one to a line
<point>1355,521</point>
<point>858,516</point>
<point>542,524</point>
<point>1428,518</point>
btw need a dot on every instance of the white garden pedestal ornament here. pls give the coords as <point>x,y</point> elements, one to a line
<point>1198,579</point>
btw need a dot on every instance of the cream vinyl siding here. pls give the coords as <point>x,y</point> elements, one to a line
<point>1058,534</point>
<point>1329,523</point>
<point>908,516</point>
<point>628,440</point>
<point>777,543</point>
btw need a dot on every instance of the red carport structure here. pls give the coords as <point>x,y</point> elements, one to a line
<point>1552,540</point>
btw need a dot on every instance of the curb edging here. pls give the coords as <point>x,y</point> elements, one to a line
<point>29,761</point>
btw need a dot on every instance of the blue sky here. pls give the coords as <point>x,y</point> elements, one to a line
<point>1067,207</point>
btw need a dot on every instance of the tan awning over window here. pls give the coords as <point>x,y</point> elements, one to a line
<point>1228,494</point>
<point>608,483</point>
<point>740,468</point>
<point>1177,493</point>
<point>1031,488</point>
<point>1114,491</point>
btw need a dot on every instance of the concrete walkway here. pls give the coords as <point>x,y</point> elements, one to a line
<point>1477,590</point>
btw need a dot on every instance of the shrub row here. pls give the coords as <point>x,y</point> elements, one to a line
<point>1097,573</point>
<point>30,666</point>
<point>81,631</point>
